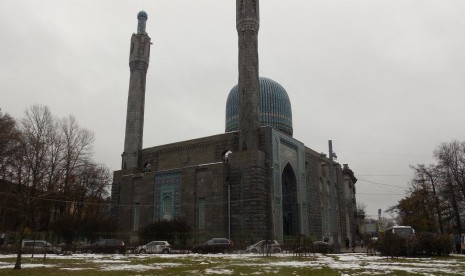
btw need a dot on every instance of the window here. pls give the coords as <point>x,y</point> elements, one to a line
<point>167,208</point>
<point>136,217</point>
<point>201,213</point>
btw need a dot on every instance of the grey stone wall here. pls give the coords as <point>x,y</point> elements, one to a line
<point>205,176</point>
<point>313,161</point>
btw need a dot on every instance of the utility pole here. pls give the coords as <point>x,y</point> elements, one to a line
<point>334,199</point>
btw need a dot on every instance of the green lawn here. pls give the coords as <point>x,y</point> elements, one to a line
<point>231,264</point>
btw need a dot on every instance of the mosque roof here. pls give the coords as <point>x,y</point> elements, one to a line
<point>275,107</point>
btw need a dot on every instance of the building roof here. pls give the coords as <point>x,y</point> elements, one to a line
<point>275,107</point>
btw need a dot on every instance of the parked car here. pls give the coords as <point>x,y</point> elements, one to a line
<point>106,246</point>
<point>264,246</point>
<point>39,247</point>
<point>402,231</point>
<point>322,247</point>
<point>154,247</point>
<point>216,245</point>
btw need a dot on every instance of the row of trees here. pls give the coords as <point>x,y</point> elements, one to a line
<point>436,199</point>
<point>49,163</point>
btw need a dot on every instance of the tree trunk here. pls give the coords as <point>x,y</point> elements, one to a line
<point>20,242</point>
<point>436,202</point>
<point>454,203</point>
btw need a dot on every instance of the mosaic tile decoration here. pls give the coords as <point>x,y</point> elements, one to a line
<point>275,107</point>
<point>167,185</point>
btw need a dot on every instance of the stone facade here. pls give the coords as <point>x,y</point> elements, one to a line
<point>194,176</point>
<point>251,183</point>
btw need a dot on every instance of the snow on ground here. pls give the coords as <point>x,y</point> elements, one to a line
<point>218,271</point>
<point>347,264</point>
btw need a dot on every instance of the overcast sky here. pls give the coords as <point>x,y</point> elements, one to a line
<point>384,79</point>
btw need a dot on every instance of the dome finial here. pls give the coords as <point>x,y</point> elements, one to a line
<point>141,18</point>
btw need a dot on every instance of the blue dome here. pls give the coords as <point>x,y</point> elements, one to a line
<point>275,107</point>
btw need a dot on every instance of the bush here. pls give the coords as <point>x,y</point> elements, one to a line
<point>433,244</point>
<point>424,243</point>
<point>393,245</point>
<point>176,231</point>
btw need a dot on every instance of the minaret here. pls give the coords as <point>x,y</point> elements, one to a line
<point>251,215</point>
<point>138,64</point>
<point>247,25</point>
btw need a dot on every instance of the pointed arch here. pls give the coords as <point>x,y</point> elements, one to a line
<point>289,201</point>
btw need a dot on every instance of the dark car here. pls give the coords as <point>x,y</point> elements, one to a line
<point>321,247</point>
<point>216,245</point>
<point>106,246</point>
<point>263,246</point>
<point>39,247</point>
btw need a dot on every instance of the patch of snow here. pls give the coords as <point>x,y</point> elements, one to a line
<point>111,261</point>
<point>129,267</point>
<point>218,271</point>
<point>12,265</point>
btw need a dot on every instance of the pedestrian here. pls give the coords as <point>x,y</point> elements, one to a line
<point>362,243</point>
<point>457,242</point>
<point>347,243</point>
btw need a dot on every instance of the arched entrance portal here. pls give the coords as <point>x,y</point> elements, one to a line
<point>289,199</point>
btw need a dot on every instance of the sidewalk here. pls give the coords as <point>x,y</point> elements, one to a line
<point>358,249</point>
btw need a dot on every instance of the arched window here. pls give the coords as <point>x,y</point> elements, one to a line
<point>167,207</point>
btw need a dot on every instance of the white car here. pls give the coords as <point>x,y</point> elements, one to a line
<point>262,246</point>
<point>154,247</point>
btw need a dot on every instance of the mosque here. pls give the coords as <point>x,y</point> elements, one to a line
<point>253,182</point>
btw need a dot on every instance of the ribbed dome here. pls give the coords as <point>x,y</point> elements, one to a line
<point>275,107</point>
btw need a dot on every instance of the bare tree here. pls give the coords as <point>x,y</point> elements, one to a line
<point>428,179</point>
<point>50,163</point>
<point>451,165</point>
<point>9,145</point>
<point>36,129</point>
<point>77,151</point>
<point>451,157</point>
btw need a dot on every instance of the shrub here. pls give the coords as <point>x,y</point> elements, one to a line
<point>176,231</point>
<point>424,243</point>
<point>393,245</point>
<point>433,244</point>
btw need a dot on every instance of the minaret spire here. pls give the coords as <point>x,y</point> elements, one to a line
<point>138,63</point>
<point>247,25</point>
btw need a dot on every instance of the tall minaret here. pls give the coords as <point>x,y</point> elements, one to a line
<point>247,25</point>
<point>138,63</point>
<point>252,217</point>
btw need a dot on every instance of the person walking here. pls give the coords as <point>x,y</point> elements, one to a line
<point>347,243</point>
<point>457,241</point>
